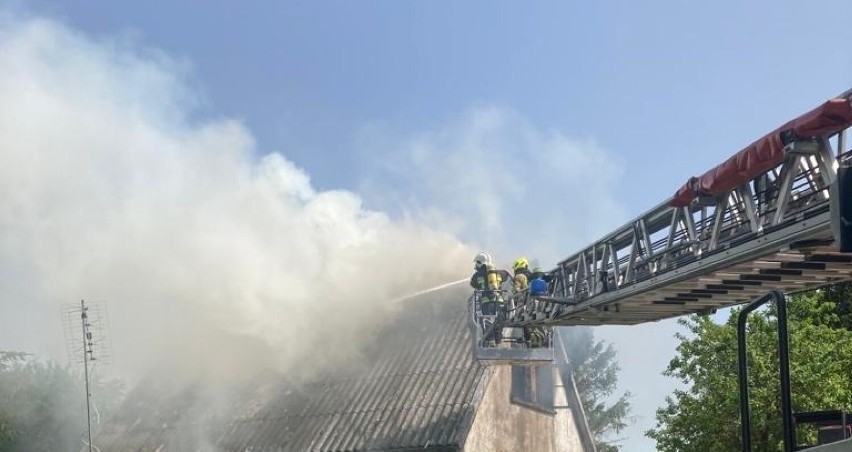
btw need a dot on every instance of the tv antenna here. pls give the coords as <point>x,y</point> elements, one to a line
<point>86,342</point>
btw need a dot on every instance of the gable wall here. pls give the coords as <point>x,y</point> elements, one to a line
<point>501,426</point>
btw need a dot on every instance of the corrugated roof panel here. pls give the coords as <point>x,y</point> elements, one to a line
<point>417,391</point>
<point>410,389</point>
<point>363,409</point>
<point>370,401</point>
<point>435,417</point>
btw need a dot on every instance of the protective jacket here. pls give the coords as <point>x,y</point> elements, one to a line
<point>522,279</point>
<point>488,279</point>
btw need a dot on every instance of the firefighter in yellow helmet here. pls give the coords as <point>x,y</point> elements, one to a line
<point>522,278</point>
<point>487,279</point>
<point>534,336</point>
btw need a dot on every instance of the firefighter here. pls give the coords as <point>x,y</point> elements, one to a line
<point>540,282</point>
<point>521,268</point>
<point>534,336</point>
<point>488,280</point>
<point>537,273</point>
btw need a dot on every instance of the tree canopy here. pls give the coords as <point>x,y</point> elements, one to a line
<point>706,415</point>
<point>596,376</point>
<point>42,404</point>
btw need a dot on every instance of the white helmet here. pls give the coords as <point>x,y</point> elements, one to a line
<point>482,258</point>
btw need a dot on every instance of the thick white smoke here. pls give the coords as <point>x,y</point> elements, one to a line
<point>110,191</point>
<point>496,179</point>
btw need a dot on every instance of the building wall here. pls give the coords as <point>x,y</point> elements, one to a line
<point>501,426</point>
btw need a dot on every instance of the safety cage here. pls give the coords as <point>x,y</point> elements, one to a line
<point>495,343</point>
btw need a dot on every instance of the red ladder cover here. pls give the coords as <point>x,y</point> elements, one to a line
<point>766,153</point>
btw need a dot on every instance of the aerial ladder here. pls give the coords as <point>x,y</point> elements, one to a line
<point>768,218</point>
<point>774,217</point>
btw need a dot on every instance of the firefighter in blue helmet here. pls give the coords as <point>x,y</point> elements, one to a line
<point>533,336</point>
<point>489,281</point>
<point>539,282</point>
<point>537,273</point>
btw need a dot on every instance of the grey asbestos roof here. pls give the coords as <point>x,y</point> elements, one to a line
<point>418,392</point>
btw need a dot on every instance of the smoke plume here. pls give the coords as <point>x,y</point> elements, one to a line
<point>203,246</point>
<point>496,179</point>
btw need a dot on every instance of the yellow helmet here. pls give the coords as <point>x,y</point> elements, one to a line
<point>521,262</point>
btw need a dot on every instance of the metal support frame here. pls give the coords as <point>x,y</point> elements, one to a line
<point>501,354</point>
<point>661,243</point>
<point>787,426</point>
<point>824,418</point>
<point>841,199</point>
<point>692,231</point>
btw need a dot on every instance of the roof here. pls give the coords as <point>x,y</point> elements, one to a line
<point>419,389</point>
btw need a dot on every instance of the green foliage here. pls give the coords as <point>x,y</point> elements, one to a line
<point>841,294</point>
<point>7,430</point>
<point>706,415</point>
<point>42,405</point>
<point>596,376</point>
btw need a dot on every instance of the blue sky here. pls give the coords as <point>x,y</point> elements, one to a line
<point>661,85</point>
<point>635,96</point>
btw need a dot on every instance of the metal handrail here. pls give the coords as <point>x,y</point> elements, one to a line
<point>788,433</point>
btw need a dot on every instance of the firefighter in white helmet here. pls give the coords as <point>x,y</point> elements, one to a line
<point>488,280</point>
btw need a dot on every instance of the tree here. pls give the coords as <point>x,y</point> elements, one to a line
<point>596,376</point>
<point>7,430</point>
<point>42,405</point>
<point>706,416</point>
<point>842,295</point>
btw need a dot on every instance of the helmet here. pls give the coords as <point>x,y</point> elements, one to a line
<point>482,258</point>
<point>521,262</point>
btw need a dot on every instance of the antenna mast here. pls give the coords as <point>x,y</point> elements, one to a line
<point>92,348</point>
